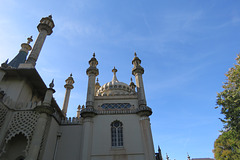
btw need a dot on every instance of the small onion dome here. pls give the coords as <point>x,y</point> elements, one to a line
<point>114,87</point>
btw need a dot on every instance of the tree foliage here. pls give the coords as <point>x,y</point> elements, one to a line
<point>227,145</point>
<point>229,99</point>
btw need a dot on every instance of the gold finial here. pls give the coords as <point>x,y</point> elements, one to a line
<point>135,54</point>
<point>114,70</point>
<point>29,40</point>
<point>93,54</point>
<point>51,85</point>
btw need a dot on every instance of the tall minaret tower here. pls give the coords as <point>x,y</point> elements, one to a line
<point>143,110</point>
<point>92,72</point>
<point>69,86</point>
<point>138,71</point>
<point>45,28</point>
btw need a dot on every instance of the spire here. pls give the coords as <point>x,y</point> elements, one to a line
<point>97,86</point>
<point>92,72</point>
<point>69,85</point>
<point>78,111</point>
<point>22,54</point>
<point>51,85</point>
<point>5,64</point>
<point>132,85</point>
<point>167,158</point>
<point>137,71</point>
<point>45,27</point>
<point>93,61</point>
<point>114,70</point>
<point>160,153</point>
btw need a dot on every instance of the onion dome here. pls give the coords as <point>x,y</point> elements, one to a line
<point>114,87</point>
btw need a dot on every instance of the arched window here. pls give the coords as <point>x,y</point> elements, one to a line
<point>117,134</point>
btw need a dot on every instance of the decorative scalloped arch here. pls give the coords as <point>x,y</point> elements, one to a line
<point>22,122</point>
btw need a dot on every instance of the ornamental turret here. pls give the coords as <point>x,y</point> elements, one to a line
<point>69,86</point>
<point>92,72</point>
<point>137,71</point>
<point>97,86</point>
<point>22,55</point>
<point>45,28</point>
<point>132,85</point>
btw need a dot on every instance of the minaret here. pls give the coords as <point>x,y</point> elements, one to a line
<point>78,111</point>
<point>45,28</point>
<point>132,85</point>
<point>22,55</point>
<point>88,113</point>
<point>97,86</point>
<point>137,71</point>
<point>92,72</point>
<point>69,85</point>
<point>167,158</point>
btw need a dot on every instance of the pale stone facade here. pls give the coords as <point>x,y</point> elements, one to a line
<point>114,124</point>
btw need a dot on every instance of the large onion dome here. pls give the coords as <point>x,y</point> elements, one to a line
<point>115,88</point>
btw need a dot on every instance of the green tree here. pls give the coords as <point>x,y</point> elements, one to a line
<point>229,99</point>
<point>227,145</point>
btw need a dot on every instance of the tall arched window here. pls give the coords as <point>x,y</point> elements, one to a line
<point>117,134</point>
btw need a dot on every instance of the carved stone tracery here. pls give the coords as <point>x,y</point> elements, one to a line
<point>3,113</point>
<point>22,122</point>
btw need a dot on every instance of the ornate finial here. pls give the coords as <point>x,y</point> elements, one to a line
<point>29,40</point>
<point>5,64</point>
<point>79,107</point>
<point>93,54</point>
<point>50,16</point>
<point>167,158</point>
<point>51,85</point>
<point>71,75</point>
<point>114,70</point>
<point>97,80</point>
<point>131,79</point>
<point>83,106</point>
<point>135,54</point>
<point>188,156</point>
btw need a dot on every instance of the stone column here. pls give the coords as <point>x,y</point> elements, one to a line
<point>92,72</point>
<point>45,109</point>
<point>147,138</point>
<point>69,87</point>
<point>137,71</point>
<point>45,28</point>
<point>87,138</point>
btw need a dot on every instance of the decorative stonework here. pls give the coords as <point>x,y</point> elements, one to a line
<point>3,113</point>
<point>88,112</point>
<point>109,106</point>
<point>71,121</point>
<point>22,122</point>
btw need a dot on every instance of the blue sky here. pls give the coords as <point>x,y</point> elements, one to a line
<point>185,46</point>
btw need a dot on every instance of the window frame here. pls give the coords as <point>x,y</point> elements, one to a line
<point>117,134</point>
